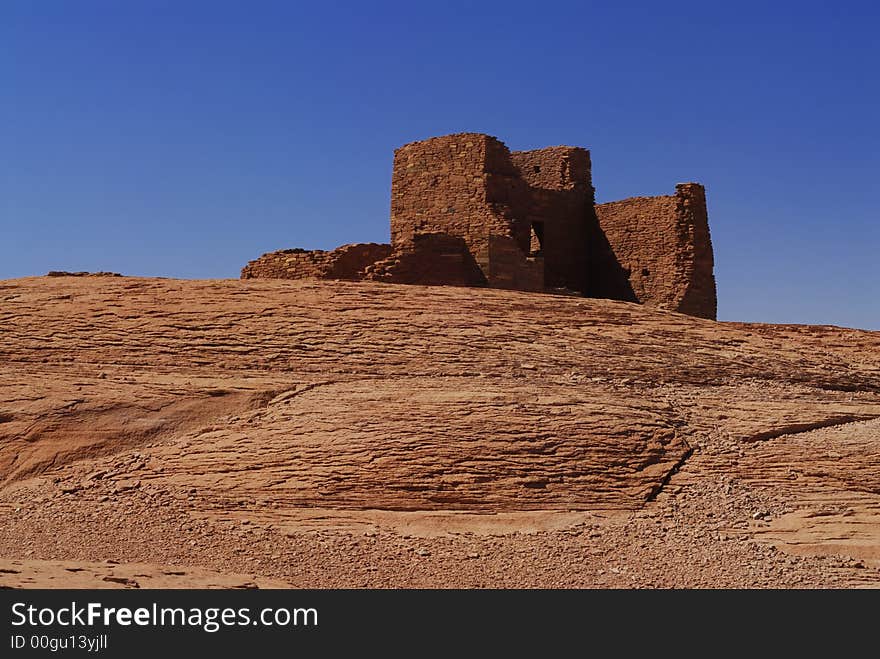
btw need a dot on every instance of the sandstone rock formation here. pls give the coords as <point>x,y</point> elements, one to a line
<point>466,211</point>
<point>318,433</point>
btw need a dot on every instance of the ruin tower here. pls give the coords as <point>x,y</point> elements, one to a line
<point>466,211</point>
<point>657,251</point>
<point>522,217</point>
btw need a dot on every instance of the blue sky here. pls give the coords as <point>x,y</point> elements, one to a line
<point>183,139</point>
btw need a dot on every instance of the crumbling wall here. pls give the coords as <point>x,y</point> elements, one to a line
<point>510,268</point>
<point>554,167</point>
<point>463,186</point>
<point>346,262</point>
<point>471,186</point>
<point>439,186</point>
<point>560,200</point>
<point>287,264</point>
<point>350,261</point>
<point>656,250</point>
<point>430,259</point>
<point>696,256</point>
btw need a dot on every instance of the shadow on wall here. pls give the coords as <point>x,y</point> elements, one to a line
<point>607,278</point>
<point>433,259</point>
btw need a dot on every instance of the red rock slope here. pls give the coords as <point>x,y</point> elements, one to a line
<point>308,413</point>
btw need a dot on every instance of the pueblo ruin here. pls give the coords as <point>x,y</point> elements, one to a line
<point>467,211</point>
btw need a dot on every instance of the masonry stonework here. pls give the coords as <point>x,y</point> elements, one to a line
<point>466,211</point>
<point>660,247</point>
<point>346,262</point>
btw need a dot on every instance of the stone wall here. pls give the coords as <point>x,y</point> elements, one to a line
<point>559,199</point>
<point>346,262</point>
<point>470,185</point>
<point>696,257</point>
<point>657,251</point>
<point>510,268</point>
<point>438,186</point>
<point>430,259</point>
<point>554,168</point>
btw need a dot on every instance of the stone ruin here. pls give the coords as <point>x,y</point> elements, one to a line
<point>467,211</point>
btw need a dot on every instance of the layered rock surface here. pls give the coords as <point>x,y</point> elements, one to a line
<point>267,426</point>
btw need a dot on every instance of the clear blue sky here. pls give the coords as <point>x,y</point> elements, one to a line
<point>183,139</point>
